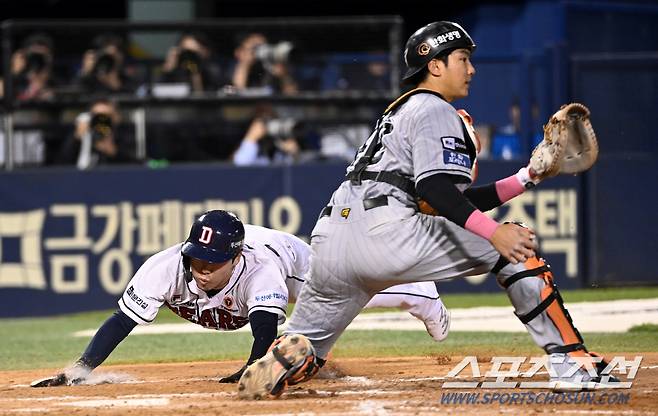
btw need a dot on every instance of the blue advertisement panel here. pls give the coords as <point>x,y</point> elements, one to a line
<point>70,241</point>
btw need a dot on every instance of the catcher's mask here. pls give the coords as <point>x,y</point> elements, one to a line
<point>215,237</point>
<point>431,41</point>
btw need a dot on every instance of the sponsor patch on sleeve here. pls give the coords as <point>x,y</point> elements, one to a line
<point>273,296</point>
<point>135,298</point>
<point>453,158</point>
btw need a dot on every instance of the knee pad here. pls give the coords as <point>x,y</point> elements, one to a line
<point>550,301</point>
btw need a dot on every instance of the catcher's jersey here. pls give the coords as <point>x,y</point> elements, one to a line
<point>270,268</point>
<point>422,137</point>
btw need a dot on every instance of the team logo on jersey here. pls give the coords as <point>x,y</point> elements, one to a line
<point>228,302</point>
<point>454,143</point>
<point>345,212</point>
<point>448,142</point>
<point>423,49</point>
<point>206,235</point>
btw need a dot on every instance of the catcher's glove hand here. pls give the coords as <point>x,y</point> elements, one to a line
<point>569,145</point>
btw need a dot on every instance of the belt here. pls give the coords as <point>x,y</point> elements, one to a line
<point>391,178</point>
<point>369,203</point>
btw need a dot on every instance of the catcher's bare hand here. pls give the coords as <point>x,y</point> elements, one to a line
<point>517,244</point>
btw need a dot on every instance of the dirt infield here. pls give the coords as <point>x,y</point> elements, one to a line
<point>378,386</point>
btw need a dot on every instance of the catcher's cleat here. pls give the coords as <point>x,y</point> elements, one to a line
<point>580,380</point>
<point>290,360</point>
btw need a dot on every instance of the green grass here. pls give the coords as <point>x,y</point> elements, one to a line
<point>645,328</point>
<point>47,342</point>
<point>471,300</point>
<point>403,343</point>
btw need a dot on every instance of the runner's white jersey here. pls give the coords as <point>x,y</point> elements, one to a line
<point>271,266</point>
<point>289,252</point>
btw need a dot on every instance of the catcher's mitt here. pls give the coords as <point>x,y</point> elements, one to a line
<point>569,145</point>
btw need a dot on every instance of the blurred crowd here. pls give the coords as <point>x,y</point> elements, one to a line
<point>107,68</point>
<point>109,72</point>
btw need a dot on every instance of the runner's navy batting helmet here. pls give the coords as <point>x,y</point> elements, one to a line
<point>215,237</point>
<point>433,40</point>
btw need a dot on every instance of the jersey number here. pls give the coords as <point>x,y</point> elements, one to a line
<point>371,151</point>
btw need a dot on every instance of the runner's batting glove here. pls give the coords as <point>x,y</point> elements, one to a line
<point>233,378</point>
<point>60,379</point>
<point>76,374</point>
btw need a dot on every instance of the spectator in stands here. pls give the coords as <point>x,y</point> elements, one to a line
<point>189,62</point>
<point>272,140</point>
<point>103,68</point>
<point>507,143</point>
<point>31,68</point>
<point>99,138</point>
<point>259,65</point>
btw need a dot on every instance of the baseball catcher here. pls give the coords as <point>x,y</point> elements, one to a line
<point>373,233</point>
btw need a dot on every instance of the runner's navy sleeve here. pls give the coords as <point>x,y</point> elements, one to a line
<point>109,335</point>
<point>264,328</point>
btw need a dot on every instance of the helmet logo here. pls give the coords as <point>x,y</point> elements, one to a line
<point>446,37</point>
<point>423,49</point>
<point>206,235</point>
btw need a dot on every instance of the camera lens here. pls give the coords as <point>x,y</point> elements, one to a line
<point>35,62</point>
<point>189,60</point>
<point>281,128</point>
<point>105,63</point>
<point>278,53</point>
<point>100,126</point>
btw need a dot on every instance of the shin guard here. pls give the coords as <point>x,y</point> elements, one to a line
<point>550,301</point>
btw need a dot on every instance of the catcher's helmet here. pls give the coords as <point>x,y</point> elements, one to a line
<point>215,237</point>
<point>432,40</point>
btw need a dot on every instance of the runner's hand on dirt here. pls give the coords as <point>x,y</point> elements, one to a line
<point>56,380</point>
<point>233,378</point>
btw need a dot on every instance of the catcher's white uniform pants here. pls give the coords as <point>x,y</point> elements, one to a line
<point>359,252</point>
